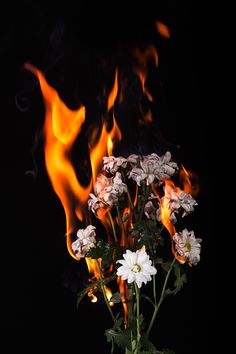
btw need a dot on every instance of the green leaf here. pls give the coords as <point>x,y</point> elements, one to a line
<point>116,298</point>
<point>168,351</point>
<point>148,299</point>
<point>148,346</point>
<point>181,277</point>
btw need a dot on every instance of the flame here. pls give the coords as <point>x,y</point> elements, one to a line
<point>93,270</point>
<point>162,29</point>
<point>123,289</point>
<point>107,139</point>
<point>144,58</point>
<point>190,181</point>
<point>113,94</point>
<point>166,216</point>
<point>61,128</point>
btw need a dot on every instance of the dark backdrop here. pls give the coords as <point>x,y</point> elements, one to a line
<point>38,277</point>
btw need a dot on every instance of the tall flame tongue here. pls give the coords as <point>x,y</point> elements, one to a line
<point>106,141</point>
<point>61,128</point>
<point>190,181</point>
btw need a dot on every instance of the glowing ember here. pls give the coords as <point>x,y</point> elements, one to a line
<point>162,29</point>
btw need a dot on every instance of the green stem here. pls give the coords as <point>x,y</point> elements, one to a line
<point>154,289</point>
<point>103,290</point>
<point>137,319</point>
<point>157,306</point>
<point>113,226</point>
<point>142,202</point>
<point>122,226</point>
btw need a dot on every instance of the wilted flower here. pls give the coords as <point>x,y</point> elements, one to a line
<point>112,164</point>
<point>150,210</point>
<point>153,167</point>
<point>85,240</point>
<point>137,267</point>
<point>187,246</point>
<point>94,203</point>
<point>111,189</point>
<point>177,200</point>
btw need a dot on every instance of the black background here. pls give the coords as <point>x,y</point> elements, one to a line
<point>38,277</point>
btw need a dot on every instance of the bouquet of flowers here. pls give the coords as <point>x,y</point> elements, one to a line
<point>138,201</point>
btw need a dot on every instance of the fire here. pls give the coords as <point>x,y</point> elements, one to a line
<point>190,181</point>
<point>61,128</point>
<point>166,215</point>
<point>162,29</point>
<point>144,58</point>
<point>93,270</point>
<point>123,289</point>
<point>107,139</point>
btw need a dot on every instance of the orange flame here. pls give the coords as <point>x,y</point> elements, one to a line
<point>123,289</point>
<point>162,29</point>
<point>61,128</point>
<point>107,139</point>
<point>190,181</point>
<point>166,215</point>
<point>145,57</point>
<point>93,270</point>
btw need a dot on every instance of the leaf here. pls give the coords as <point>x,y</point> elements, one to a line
<point>116,298</point>
<point>80,296</point>
<point>168,351</point>
<point>148,299</point>
<point>166,266</point>
<point>181,278</point>
<point>148,346</point>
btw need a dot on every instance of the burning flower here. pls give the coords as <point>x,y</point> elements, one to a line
<point>153,168</point>
<point>109,190</point>
<point>112,164</point>
<point>136,222</point>
<point>85,240</point>
<point>187,246</point>
<point>137,267</point>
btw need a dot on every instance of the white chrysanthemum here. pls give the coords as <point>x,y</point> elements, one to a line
<point>150,210</point>
<point>188,246</point>
<point>85,240</point>
<point>136,267</point>
<point>177,200</point>
<point>110,190</point>
<point>94,203</point>
<point>112,164</point>
<point>153,167</point>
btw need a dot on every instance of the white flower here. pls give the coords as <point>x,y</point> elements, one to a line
<point>134,159</point>
<point>159,216</point>
<point>94,203</point>
<point>187,246</point>
<point>85,240</point>
<point>150,210</point>
<point>178,199</point>
<point>153,167</point>
<point>137,267</point>
<point>112,164</point>
<point>111,189</point>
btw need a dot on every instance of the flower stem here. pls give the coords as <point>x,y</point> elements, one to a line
<point>142,202</point>
<point>137,320</point>
<point>113,226</point>
<point>103,290</point>
<point>122,226</point>
<point>154,289</point>
<point>157,306</point>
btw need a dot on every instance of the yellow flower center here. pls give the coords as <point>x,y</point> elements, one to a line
<point>188,246</point>
<point>136,268</point>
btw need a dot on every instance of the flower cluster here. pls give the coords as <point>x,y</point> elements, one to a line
<point>138,217</point>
